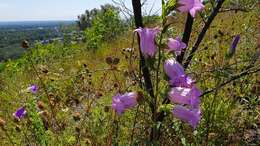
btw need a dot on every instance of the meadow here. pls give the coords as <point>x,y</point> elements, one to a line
<point>66,93</point>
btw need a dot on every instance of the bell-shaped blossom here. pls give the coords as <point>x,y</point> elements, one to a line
<point>121,102</point>
<point>20,113</point>
<point>192,116</point>
<point>233,46</point>
<point>188,96</point>
<point>191,6</point>
<point>147,38</point>
<point>176,45</point>
<point>173,69</point>
<point>177,75</point>
<point>33,88</point>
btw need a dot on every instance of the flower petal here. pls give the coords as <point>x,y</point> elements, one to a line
<point>192,116</point>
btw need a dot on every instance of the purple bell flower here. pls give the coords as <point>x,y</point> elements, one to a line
<point>188,96</point>
<point>191,6</point>
<point>147,38</point>
<point>33,88</point>
<point>233,46</point>
<point>121,102</point>
<point>192,116</point>
<point>20,113</point>
<point>176,45</point>
<point>173,69</point>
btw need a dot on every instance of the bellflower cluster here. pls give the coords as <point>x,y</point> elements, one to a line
<point>183,92</point>
<point>122,102</point>
<point>191,6</point>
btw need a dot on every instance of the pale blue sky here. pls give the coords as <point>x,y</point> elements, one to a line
<point>28,10</point>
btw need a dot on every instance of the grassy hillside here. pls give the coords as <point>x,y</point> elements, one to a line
<point>76,85</point>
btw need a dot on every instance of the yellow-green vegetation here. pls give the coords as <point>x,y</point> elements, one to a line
<point>76,85</point>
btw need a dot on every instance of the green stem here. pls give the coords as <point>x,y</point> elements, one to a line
<point>135,120</point>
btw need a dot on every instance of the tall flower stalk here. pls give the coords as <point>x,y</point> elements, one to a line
<point>33,88</point>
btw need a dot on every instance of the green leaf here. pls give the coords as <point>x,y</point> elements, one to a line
<point>170,6</point>
<point>166,108</point>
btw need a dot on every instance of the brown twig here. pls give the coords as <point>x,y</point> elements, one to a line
<point>234,9</point>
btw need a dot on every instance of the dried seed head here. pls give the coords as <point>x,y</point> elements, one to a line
<point>2,122</point>
<point>45,114</point>
<point>116,61</point>
<point>109,60</point>
<point>25,44</point>
<point>99,94</point>
<point>116,85</point>
<point>40,105</point>
<point>51,94</point>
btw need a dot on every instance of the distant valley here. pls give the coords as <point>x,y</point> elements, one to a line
<point>13,33</point>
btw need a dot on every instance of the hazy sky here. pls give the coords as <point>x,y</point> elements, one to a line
<point>26,10</point>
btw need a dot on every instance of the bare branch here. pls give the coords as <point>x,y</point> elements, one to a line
<point>234,9</point>
<point>245,73</point>
<point>124,9</point>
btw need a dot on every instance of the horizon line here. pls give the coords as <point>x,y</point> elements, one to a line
<point>38,20</point>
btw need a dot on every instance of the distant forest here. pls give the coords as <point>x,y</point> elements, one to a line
<point>13,33</point>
